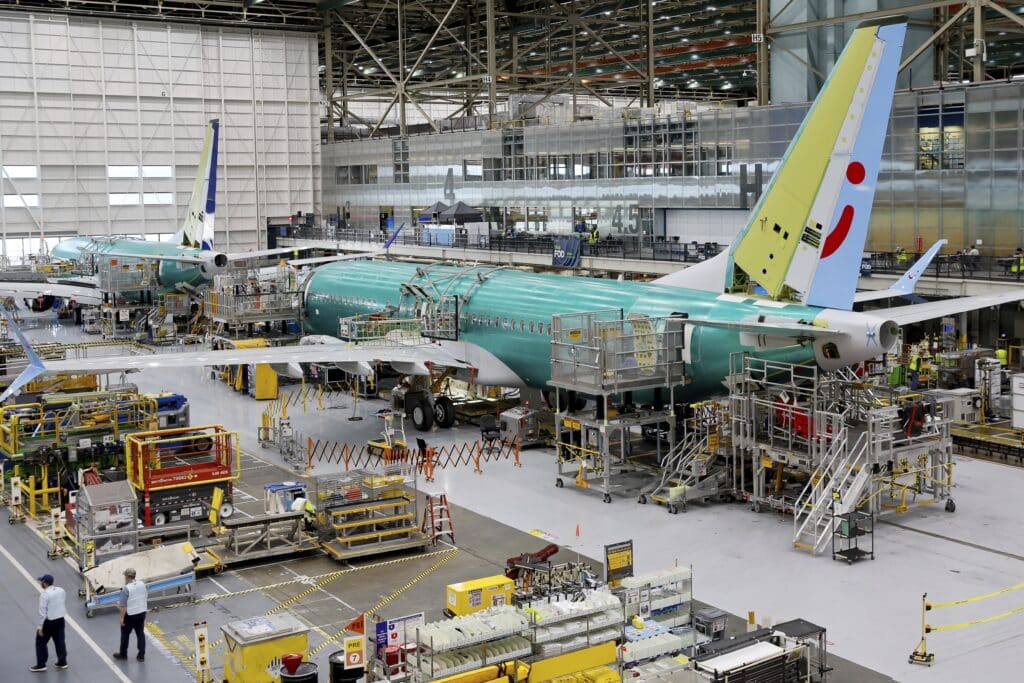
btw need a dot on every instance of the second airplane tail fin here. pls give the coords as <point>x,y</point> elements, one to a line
<point>197,230</point>
<point>805,238</point>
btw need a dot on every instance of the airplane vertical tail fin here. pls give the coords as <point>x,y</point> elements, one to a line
<point>805,238</point>
<point>197,230</point>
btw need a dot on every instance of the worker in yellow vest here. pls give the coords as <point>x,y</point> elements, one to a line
<point>1001,357</point>
<point>914,372</point>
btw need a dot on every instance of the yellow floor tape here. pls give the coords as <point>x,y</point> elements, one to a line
<point>450,555</point>
<point>161,637</point>
<point>329,576</point>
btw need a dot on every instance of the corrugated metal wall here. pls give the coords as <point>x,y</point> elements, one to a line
<point>84,101</point>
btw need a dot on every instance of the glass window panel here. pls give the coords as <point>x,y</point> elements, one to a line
<point>124,198</point>
<point>122,171</point>
<point>20,201</point>
<point>158,198</point>
<point>14,172</point>
<point>156,172</point>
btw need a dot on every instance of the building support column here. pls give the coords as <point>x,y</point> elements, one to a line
<point>650,53</point>
<point>763,57</point>
<point>492,68</point>
<point>979,41</point>
<point>402,76</point>
<point>329,76</point>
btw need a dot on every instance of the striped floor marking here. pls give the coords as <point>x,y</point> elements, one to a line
<point>448,556</point>
<point>328,577</point>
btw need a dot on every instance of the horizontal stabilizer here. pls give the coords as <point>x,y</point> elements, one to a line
<point>318,260</point>
<point>908,282</point>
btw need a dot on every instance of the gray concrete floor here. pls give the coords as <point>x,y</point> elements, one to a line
<point>741,561</point>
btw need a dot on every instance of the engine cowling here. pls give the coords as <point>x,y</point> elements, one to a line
<point>865,336</point>
<point>213,262</point>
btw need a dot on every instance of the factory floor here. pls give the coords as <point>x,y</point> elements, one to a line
<point>741,561</point>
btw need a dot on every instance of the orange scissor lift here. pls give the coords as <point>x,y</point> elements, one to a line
<point>174,471</point>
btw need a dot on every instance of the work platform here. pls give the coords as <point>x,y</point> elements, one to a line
<point>260,537</point>
<point>819,446</point>
<point>245,296</point>
<point>601,353</point>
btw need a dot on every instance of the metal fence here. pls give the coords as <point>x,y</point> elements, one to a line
<point>646,247</point>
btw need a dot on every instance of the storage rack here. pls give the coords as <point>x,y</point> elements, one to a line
<point>664,600</point>
<point>489,637</point>
<point>577,626</point>
<point>669,596</point>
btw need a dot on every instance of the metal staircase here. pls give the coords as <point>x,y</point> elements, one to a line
<point>687,472</point>
<point>836,486</point>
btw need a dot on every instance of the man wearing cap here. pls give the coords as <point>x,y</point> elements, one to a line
<point>51,624</point>
<point>133,615</point>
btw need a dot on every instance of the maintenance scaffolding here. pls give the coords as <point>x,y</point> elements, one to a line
<point>820,446</point>
<point>244,296</point>
<point>601,353</point>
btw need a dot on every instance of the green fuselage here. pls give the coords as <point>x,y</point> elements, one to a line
<point>170,273</point>
<point>349,288</point>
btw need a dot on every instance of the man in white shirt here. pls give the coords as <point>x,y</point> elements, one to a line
<point>133,602</point>
<point>52,609</point>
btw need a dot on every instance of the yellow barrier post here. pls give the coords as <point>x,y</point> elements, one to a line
<point>920,655</point>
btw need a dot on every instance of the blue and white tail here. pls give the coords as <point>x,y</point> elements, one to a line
<point>197,230</point>
<point>805,237</point>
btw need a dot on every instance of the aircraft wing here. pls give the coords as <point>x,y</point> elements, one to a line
<point>309,353</point>
<point>80,293</point>
<point>410,359</point>
<point>905,315</point>
<point>771,328</point>
<point>316,260</point>
<point>908,282</point>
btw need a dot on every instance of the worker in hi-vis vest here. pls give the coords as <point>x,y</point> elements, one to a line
<point>134,602</point>
<point>914,372</point>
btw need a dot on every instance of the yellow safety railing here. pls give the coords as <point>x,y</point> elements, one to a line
<point>22,423</point>
<point>921,655</point>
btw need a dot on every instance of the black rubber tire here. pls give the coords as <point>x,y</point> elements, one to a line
<point>444,412</point>
<point>642,500</point>
<point>950,506</point>
<point>226,510</point>
<point>159,519</point>
<point>559,483</point>
<point>672,509</point>
<point>423,415</point>
<point>607,498</point>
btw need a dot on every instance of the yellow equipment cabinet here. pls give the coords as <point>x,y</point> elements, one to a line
<point>472,596</point>
<point>253,646</point>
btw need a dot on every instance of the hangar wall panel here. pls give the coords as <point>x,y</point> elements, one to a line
<point>84,101</point>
